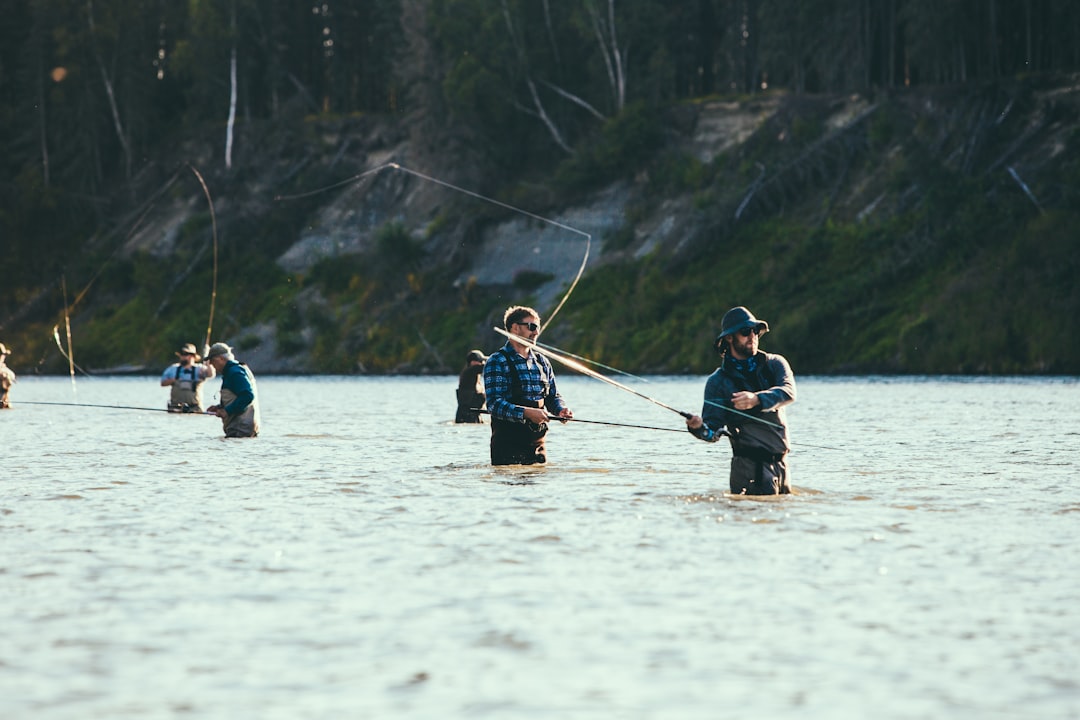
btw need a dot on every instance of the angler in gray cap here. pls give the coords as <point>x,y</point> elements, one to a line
<point>744,401</point>
<point>239,407</point>
<point>184,379</point>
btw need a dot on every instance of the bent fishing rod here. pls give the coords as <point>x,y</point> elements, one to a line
<point>552,354</point>
<point>575,365</point>
<point>213,236</point>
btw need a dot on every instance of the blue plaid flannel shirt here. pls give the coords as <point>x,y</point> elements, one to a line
<point>536,377</point>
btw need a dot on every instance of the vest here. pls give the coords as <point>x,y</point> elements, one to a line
<point>186,392</point>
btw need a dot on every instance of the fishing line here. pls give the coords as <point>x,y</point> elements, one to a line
<point>478,196</point>
<point>143,212</point>
<point>745,415</point>
<point>112,407</point>
<point>594,362</point>
<point>213,235</point>
<point>601,422</point>
<point>575,365</point>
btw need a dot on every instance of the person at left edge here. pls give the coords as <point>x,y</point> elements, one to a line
<point>239,408</point>
<point>7,378</point>
<point>184,380</point>
<point>470,389</point>
<point>521,393</point>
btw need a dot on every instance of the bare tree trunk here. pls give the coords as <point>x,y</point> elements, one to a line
<point>1029,63</point>
<point>548,122</point>
<point>551,36</point>
<point>232,111</point>
<point>41,113</point>
<point>612,57</point>
<point>581,102</point>
<point>620,76</point>
<point>232,96</point>
<point>538,108</point>
<point>117,125</point>
<point>992,41</point>
<point>750,46</point>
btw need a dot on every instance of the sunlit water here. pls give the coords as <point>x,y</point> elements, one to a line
<point>361,559</point>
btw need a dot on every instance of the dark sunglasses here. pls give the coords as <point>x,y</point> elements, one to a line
<point>531,325</point>
<point>747,332</point>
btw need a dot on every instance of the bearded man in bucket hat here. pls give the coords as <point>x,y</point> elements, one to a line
<point>184,379</point>
<point>744,401</point>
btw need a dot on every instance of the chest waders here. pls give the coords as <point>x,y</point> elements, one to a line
<point>7,379</point>
<point>470,396</point>
<point>758,451</point>
<point>514,443</point>
<point>246,423</point>
<point>185,394</point>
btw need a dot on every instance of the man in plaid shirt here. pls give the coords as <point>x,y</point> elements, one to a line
<point>521,393</point>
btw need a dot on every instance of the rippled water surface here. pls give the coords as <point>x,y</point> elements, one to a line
<point>361,559</point>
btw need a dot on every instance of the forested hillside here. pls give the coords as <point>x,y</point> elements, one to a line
<point>893,184</point>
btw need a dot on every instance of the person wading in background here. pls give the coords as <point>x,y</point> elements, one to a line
<point>470,389</point>
<point>521,394</point>
<point>758,385</point>
<point>185,379</point>
<point>7,378</point>
<point>239,408</point>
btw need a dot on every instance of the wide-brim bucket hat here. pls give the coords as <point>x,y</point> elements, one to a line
<point>739,318</point>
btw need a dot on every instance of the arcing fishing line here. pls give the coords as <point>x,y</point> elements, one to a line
<point>593,362</point>
<point>478,196</point>
<point>600,422</point>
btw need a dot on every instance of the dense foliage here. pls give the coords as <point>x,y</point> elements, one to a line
<point>102,101</point>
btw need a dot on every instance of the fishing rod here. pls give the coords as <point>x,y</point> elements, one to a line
<point>112,407</point>
<point>600,422</point>
<point>213,235</point>
<point>60,347</point>
<point>67,323</point>
<point>591,373</point>
<point>575,365</point>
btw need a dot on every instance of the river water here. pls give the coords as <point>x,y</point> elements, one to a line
<point>361,559</point>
